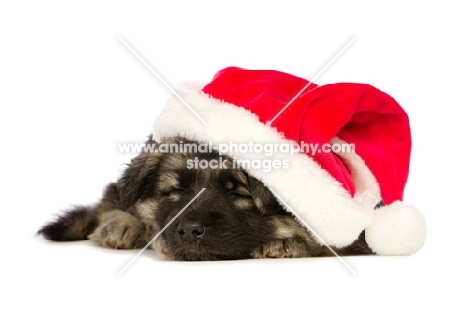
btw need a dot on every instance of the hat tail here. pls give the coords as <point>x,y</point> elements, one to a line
<point>395,229</point>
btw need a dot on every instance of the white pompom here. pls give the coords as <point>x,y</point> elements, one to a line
<point>397,229</point>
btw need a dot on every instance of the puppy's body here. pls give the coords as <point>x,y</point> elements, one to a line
<point>236,217</point>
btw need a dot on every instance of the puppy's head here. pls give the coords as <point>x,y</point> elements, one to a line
<point>226,221</point>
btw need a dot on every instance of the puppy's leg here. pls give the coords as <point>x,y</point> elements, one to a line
<point>118,229</point>
<point>290,240</point>
<point>283,248</point>
<point>79,222</point>
<point>105,223</point>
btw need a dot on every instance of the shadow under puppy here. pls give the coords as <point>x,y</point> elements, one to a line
<point>236,217</point>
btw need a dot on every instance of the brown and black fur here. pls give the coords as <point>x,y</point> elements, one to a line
<point>236,217</point>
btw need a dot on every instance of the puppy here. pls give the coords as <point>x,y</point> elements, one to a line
<point>236,217</point>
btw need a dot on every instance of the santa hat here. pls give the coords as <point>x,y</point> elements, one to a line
<point>334,193</point>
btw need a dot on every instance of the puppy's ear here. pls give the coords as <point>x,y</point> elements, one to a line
<point>139,178</point>
<point>263,199</point>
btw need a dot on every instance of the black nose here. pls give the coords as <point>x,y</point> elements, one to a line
<point>190,230</point>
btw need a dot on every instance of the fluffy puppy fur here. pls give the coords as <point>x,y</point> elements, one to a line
<point>236,217</point>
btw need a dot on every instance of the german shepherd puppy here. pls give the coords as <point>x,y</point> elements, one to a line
<point>236,217</point>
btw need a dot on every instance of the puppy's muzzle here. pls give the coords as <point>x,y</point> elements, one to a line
<point>190,230</point>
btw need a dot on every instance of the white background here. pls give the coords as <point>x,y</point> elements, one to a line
<point>70,91</point>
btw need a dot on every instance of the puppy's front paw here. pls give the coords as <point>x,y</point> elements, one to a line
<point>120,230</point>
<point>287,248</point>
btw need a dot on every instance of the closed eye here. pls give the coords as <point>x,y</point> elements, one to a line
<point>240,191</point>
<point>172,191</point>
<point>235,184</point>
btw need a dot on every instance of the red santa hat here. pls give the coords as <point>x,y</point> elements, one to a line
<point>335,193</point>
